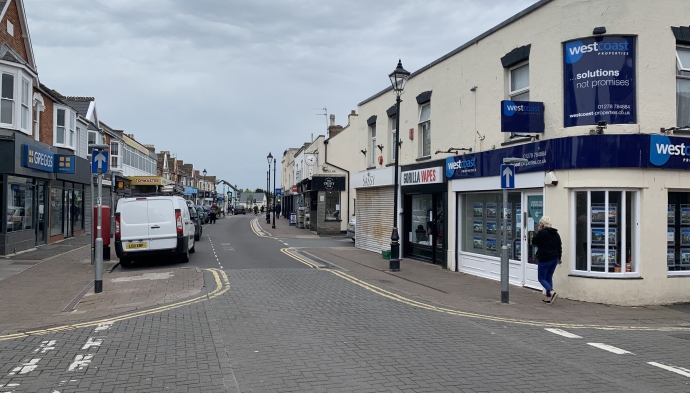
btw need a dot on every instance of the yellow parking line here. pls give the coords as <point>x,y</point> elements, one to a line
<point>222,286</point>
<point>393,296</point>
<point>287,252</point>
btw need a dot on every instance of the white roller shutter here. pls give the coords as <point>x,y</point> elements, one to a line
<point>374,216</point>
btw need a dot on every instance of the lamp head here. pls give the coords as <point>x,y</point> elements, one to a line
<point>269,157</point>
<point>399,78</point>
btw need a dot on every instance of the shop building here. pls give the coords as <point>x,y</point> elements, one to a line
<point>374,208</point>
<point>424,196</point>
<point>600,110</point>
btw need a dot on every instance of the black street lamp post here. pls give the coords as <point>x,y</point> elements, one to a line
<point>274,194</point>
<point>203,195</point>
<point>268,186</point>
<point>398,79</point>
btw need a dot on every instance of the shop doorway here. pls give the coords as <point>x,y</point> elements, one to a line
<point>68,213</point>
<point>424,218</point>
<point>533,201</point>
<point>41,209</point>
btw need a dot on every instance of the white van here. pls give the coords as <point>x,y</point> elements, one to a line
<point>153,226</point>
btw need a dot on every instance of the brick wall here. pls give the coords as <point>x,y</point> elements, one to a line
<point>46,122</point>
<point>16,41</point>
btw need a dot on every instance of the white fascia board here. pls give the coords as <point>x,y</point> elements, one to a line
<point>25,29</point>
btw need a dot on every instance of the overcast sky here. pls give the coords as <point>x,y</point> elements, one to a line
<point>221,83</point>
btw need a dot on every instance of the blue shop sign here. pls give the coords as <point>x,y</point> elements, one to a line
<point>36,158</point>
<point>599,81</point>
<point>64,163</point>
<point>578,152</point>
<point>522,116</point>
<point>189,190</point>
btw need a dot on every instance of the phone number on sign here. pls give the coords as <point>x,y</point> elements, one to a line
<point>613,106</point>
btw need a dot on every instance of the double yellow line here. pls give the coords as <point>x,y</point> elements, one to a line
<point>253,223</point>
<point>398,298</point>
<point>222,286</point>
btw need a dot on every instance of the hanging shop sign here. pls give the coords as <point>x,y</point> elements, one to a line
<point>328,183</point>
<point>599,81</point>
<point>522,116</point>
<point>422,176</point>
<point>577,152</point>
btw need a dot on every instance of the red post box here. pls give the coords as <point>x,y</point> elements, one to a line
<point>105,224</point>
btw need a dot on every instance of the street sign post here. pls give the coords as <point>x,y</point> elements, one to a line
<point>507,182</point>
<point>99,166</point>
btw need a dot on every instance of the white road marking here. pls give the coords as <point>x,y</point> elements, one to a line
<point>145,276</point>
<point>80,362</point>
<point>610,348</point>
<point>678,370</point>
<point>46,346</point>
<point>92,343</point>
<point>27,367</point>
<point>103,326</point>
<point>561,332</point>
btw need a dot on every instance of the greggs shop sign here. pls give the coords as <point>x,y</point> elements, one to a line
<point>422,176</point>
<point>47,161</point>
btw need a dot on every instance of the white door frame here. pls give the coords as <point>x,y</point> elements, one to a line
<point>530,270</point>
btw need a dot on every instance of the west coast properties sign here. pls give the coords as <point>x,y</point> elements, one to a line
<point>599,81</point>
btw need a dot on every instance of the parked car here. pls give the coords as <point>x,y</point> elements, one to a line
<point>207,211</point>
<point>194,215</point>
<point>153,226</point>
<point>351,229</point>
<point>240,210</point>
<point>202,214</point>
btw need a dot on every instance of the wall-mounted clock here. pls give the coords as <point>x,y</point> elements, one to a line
<point>311,159</point>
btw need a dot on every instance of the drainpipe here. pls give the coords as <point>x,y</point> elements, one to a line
<point>348,178</point>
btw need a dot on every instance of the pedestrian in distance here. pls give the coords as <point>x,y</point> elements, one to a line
<point>277,210</point>
<point>549,253</point>
<point>214,213</point>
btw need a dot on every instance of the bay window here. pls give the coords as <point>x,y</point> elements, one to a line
<point>683,87</point>
<point>65,128</point>
<point>60,127</point>
<point>25,105</point>
<point>606,232</point>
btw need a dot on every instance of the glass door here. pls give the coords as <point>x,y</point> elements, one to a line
<point>533,203</point>
<point>41,209</point>
<point>67,206</point>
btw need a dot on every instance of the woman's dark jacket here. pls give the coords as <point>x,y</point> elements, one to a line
<point>548,242</point>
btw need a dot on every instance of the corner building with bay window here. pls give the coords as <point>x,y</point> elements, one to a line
<point>595,96</point>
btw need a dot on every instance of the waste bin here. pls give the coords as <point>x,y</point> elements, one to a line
<point>386,254</point>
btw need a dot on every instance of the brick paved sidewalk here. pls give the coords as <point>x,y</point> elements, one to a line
<point>58,291</point>
<point>431,283</point>
<point>284,230</point>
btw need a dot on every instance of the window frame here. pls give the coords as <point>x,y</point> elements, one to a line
<point>515,93</point>
<point>635,233</point>
<point>392,134</point>
<point>372,144</point>
<point>424,125</point>
<point>679,62</point>
<point>682,73</point>
<point>25,106</point>
<point>13,100</point>
<point>69,133</point>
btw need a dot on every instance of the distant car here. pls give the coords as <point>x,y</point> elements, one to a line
<point>351,229</point>
<point>194,215</point>
<point>240,210</point>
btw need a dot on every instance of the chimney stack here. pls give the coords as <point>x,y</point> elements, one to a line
<point>332,120</point>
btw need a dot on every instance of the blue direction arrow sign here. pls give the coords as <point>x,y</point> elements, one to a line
<point>99,162</point>
<point>507,176</point>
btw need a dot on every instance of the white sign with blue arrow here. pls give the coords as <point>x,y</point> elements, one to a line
<point>99,162</point>
<point>507,176</point>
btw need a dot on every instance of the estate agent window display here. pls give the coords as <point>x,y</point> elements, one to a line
<point>483,225</point>
<point>678,232</point>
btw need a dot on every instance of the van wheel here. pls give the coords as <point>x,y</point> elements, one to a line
<point>193,249</point>
<point>125,262</point>
<point>184,258</point>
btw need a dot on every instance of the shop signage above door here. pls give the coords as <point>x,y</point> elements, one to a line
<point>522,116</point>
<point>578,152</point>
<point>328,183</point>
<point>150,181</point>
<point>64,163</point>
<point>422,176</point>
<point>39,159</point>
<point>372,178</point>
<point>599,81</point>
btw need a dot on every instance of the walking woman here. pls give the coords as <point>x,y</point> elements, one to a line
<point>549,251</point>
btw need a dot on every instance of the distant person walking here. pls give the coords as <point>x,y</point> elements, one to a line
<point>277,210</point>
<point>214,213</point>
<point>549,252</point>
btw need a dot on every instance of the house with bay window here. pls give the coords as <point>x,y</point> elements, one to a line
<point>594,98</point>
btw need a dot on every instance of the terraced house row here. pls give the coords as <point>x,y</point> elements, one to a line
<point>593,97</point>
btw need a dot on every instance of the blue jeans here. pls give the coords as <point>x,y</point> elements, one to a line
<point>545,273</point>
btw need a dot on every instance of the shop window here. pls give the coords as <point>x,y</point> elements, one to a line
<point>519,83</point>
<point>20,203</point>
<point>391,120</point>
<point>78,210</point>
<point>332,205</point>
<point>683,87</point>
<point>422,219</point>
<point>372,145</point>
<point>56,213</point>
<point>482,227</point>
<point>7,101</point>
<point>605,232</point>
<point>425,130</point>
<point>678,232</point>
